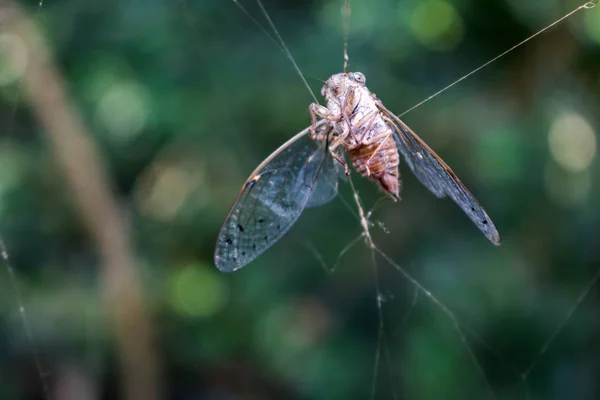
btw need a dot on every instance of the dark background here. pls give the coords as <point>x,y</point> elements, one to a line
<point>184,98</point>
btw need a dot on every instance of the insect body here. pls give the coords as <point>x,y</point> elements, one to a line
<point>359,126</point>
<point>304,171</point>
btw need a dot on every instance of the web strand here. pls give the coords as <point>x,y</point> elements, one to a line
<point>24,320</point>
<point>286,50</point>
<point>347,12</point>
<point>365,223</point>
<point>561,326</point>
<point>451,316</point>
<point>259,25</point>
<point>588,5</point>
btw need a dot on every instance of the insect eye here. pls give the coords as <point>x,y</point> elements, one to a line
<point>323,89</point>
<point>359,77</point>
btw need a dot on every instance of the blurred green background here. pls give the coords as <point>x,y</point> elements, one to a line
<point>184,98</point>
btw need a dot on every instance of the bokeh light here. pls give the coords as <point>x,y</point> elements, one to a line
<point>123,109</point>
<point>572,142</point>
<point>162,190</point>
<point>437,25</point>
<point>173,186</point>
<point>197,291</point>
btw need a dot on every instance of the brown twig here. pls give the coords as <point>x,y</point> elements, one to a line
<point>76,153</point>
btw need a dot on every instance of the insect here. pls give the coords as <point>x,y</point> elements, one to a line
<point>305,170</point>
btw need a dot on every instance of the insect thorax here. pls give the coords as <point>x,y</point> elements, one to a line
<point>360,127</point>
<point>348,96</point>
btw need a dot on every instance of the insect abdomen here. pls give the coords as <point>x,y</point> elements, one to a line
<point>378,162</point>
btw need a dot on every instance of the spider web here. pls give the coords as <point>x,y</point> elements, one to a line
<point>417,300</point>
<point>472,343</point>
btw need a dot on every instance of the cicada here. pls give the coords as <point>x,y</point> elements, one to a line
<point>305,170</point>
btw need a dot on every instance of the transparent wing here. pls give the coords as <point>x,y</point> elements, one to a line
<point>272,199</point>
<point>326,186</point>
<point>437,176</point>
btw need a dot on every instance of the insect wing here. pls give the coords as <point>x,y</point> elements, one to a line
<point>326,185</point>
<point>437,176</point>
<point>271,201</point>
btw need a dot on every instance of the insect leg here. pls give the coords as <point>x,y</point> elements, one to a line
<point>323,135</point>
<point>381,136</point>
<point>332,149</point>
<point>317,110</point>
<point>343,162</point>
